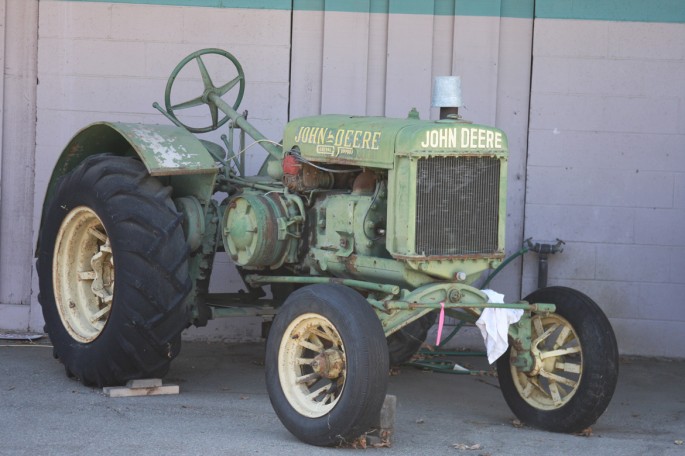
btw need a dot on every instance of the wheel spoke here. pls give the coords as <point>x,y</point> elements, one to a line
<point>554,391</point>
<point>305,361</point>
<point>565,331</point>
<point>307,378</point>
<point>206,79</point>
<point>537,324</point>
<point>316,393</point>
<point>87,275</point>
<point>315,339</point>
<point>102,312</point>
<point>214,112</point>
<point>322,334</point>
<point>98,234</point>
<point>545,335</point>
<point>224,89</point>
<point>558,378</point>
<point>561,352</point>
<point>569,367</point>
<point>310,346</point>
<point>188,104</point>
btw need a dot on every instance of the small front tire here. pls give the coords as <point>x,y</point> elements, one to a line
<point>578,365</point>
<point>326,365</point>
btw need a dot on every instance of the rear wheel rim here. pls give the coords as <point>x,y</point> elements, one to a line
<point>83,274</point>
<point>312,365</point>
<point>559,364</point>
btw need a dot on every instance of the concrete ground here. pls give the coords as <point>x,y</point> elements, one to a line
<point>223,409</point>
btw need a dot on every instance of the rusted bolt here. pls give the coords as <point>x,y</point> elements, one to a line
<point>454,295</point>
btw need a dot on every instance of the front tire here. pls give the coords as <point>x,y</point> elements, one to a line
<point>326,365</point>
<point>578,365</point>
<point>113,273</point>
<point>403,344</point>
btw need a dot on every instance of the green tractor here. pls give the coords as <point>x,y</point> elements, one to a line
<point>364,227</point>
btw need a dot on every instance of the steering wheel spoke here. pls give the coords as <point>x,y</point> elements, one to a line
<point>206,79</point>
<point>188,104</point>
<point>224,89</point>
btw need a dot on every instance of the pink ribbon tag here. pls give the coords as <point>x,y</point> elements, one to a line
<point>441,323</point>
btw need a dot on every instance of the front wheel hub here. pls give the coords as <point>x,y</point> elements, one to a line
<point>329,364</point>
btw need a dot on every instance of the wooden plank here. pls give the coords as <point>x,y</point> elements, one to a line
<point>141,387</point>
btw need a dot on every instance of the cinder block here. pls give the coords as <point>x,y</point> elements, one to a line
<point>664,78</point>
<point>133,22</point>
<point>566,114</point>
<point>650,337</point>
<point>567,38</point>
<point>611,225</point>
<point>659,226</point>
<point>646,40</point>
<point>581,184</point>
<point>633,263</point>
<point>678,265</point>
<point>74,20</point>
<point>248,26</point>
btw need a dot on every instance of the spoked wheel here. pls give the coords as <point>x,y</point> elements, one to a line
<point>576,365</point>
<point>326,365</point>
<point>113,273</point>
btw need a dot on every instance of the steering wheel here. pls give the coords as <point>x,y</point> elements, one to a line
<point>210,89</point>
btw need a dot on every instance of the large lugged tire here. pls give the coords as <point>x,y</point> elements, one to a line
<point>404,343</point>
<point>113,272</point>
<point>579,366</point>
<point>326,365</point>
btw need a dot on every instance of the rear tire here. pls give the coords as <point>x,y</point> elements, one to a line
<point>326,365</point>
<point>579,369</point>
<point>113,272</point>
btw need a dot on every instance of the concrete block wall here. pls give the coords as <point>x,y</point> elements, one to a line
<point>606,162</point>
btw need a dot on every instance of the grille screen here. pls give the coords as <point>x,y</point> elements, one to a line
<point>457,206</point>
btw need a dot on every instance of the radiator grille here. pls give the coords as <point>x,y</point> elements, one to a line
<point>457,206</point>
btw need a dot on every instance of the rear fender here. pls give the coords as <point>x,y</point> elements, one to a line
<point>167,151</point>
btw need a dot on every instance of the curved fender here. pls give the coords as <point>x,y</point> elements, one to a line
<point>165,150</point>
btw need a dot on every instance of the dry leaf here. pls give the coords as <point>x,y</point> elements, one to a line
<point>678,442</point>
<point>463,446</point>
<point>587,432</point>
<point>516,423</point>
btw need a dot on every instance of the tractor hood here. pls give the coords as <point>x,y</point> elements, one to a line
<point>374,141</point>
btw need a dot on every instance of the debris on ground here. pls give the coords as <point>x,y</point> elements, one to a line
<point>464,446</point>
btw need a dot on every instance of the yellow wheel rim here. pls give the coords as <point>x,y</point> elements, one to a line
<point>559,364</point>
<point>83,274</point>
<point>312,365</point>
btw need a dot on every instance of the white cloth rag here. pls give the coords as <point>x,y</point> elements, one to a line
<point>494,325</point>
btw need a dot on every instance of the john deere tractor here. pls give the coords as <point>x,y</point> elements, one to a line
<point>361,230</point>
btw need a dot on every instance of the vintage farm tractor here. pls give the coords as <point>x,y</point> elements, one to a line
<point>364,228</point>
